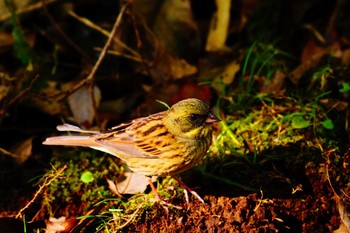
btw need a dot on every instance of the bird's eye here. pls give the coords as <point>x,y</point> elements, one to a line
<point>196,118</point>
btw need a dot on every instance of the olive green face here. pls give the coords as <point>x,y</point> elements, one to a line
<point>188,118</point>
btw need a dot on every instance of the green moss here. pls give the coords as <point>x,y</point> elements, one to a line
<point>70,188</point>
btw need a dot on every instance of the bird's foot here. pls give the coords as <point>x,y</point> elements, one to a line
<point>188,189</point>
<point>164,203</point>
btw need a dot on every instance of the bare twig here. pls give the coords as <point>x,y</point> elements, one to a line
<point>130,218</point>
<point>135,55</point>
<point>89,79</point>
<point>117,53</point>
<point>48,180</point>
<point>63,34</point>
<point>6,152</point>
<point>22,93</point>
<point>29,8</point>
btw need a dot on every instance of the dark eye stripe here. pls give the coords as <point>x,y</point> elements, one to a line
<point>197,118</point>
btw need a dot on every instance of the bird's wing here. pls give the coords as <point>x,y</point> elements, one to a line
<point>129,141</point>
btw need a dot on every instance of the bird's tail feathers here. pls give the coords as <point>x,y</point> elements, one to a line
<point>73,128</point>
<point>70,141</point>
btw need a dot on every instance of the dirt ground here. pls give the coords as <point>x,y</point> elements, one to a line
<point>311,210</point>
<point>301,199</point>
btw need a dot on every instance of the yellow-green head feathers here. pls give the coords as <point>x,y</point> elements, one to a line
<point>190,118</point>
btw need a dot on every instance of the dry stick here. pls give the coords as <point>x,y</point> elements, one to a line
<point>139,44</point>
<point>139,41</point>
<point>41,187</point>
<point>100,58</point>
<point>339,5</point>
<point>131,217</point>
<point>17,97</point>
<point>63,34</point>
<point>116,53</point>
<point>29,8</point>
<point>5,152</point>
<point>135,55</point>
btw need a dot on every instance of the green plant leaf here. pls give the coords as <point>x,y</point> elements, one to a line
<point>163,103</point>
<point>345,88</point>
<point>87,177</point>
<point>328,124</point>
<point>298,122</point>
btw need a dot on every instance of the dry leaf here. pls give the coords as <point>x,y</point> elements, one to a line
<point>274,85</point>
<point>23,150</point>
<point>179,68</point>
<point>49,105</point>
<point>338,105</point>
<point>311,56</point>
<point>169,66</point>
<point>229,72</point>
<point>343,214</point>
<point>6,41</point>
<point>345,56</point>
<point>223,73</point>
<point>219,26</point>
<point>112,187</point>
<point>17,4</point>
<point>82,105</point>
<point>341,229</point>
<point>61,224</point>
<point>134,183</point>
<point>174,26</point>
<point>54,225</point>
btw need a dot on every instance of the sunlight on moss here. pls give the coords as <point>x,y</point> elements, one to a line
<point>259,136</point>
<point>71,191</point>
<point>266,127</point>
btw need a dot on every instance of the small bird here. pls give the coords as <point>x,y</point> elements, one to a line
<point>162,144</point>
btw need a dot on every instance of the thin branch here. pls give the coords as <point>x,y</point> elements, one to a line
<point>20,95</point>
<point>6,152</point>
<point>47,182</point>
<point>29,8</point>
<point>102,55</point>
<point>87,22</point>
<point>63,34</point>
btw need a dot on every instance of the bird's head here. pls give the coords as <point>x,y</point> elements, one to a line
<point>190,118</point>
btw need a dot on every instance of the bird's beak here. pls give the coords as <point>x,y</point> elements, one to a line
<point>212,118</point>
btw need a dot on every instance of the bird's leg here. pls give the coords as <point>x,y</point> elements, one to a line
<point>187,189</point>
<point>164,203</point>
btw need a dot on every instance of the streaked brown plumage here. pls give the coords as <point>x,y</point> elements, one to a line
<point>165,143</point>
